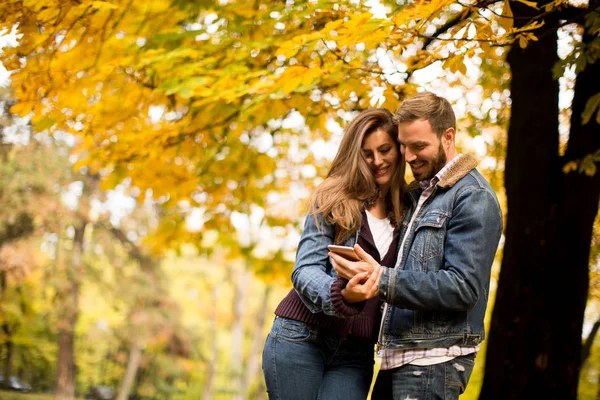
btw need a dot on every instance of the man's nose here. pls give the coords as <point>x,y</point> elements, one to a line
<point>409,156</point>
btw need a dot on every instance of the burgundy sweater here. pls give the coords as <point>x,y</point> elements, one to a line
<point>362,319</point>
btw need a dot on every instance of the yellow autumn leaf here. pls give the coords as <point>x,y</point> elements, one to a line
<point>529,3</point>
<point>522,41</point>
<point>569,167</point>
<point>289,48</point>
<point>22,108</point>
<point>455,64</point>
<point>291,84</point>
<point>48,14</point>
<point>330,26</point>
<point>357,20</point>
<point>590,170</point>
<point>104,5</point>
<point>292,78</point>
<point>506,19</point>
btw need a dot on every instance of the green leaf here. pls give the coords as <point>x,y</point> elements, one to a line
<point>44,124</point>
<point>591,105</point>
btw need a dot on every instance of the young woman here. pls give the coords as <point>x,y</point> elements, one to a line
<point>321,342</point>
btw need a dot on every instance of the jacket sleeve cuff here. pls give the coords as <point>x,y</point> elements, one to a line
<point>386,282</point>
<point>338,302</point>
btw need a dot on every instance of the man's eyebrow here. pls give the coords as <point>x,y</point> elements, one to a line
<point>416,143</point>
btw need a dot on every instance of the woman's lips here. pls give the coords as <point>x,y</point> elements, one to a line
<point>382,171</point>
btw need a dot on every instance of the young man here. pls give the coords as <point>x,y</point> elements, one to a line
<point>437,293</point>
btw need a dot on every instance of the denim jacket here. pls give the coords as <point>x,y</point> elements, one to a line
<point>313,272</point>
<point>437,296</point>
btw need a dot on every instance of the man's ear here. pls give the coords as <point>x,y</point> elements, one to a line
<point>448,136</point>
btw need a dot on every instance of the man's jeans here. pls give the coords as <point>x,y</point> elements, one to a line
<point>305,363</point>
<point>444,381</point>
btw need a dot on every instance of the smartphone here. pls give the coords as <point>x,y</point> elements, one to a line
<point>347,252</point>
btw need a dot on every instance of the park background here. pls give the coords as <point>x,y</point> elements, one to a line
<point>156,157</point>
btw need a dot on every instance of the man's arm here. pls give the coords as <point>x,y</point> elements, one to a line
<point>472,237</point>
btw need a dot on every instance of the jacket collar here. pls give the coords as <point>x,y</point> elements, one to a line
<point>456,172</point>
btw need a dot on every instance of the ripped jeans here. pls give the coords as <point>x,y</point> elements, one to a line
<point>445,381</point>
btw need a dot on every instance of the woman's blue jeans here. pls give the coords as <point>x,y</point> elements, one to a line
<point>302,362</point>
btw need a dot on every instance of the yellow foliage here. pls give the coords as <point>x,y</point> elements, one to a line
<point>104,5</point>
<point>531,4</point>
<point>506,19</point>
<point>175,99</point>
<point>570,166</point>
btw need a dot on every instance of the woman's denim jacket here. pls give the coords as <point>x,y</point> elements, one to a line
<point>313,272</point>
<point>437,297</point>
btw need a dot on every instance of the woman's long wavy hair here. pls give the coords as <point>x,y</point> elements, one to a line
<point>350,185</point>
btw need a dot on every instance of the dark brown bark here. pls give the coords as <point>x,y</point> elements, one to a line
<point>65,370</point>
<point>534,346</point>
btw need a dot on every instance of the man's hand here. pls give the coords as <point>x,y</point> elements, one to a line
<point>359,289</point>
<point>348,269</point>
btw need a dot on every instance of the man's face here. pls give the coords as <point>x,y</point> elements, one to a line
<point>421,148</point>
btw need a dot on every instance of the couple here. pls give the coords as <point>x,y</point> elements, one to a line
<point>426,252</point>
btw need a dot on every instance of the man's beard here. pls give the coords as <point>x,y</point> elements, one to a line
<point>435,165</point>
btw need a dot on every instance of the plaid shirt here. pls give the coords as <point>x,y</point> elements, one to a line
<point>396,358</point>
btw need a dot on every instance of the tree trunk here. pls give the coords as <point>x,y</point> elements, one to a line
<point>8,356</point>
<point>213,358</point>
<point>574,225</point>
<point>65,370</point>
<point>535,336</point>
<point>148,265</point>
<point>237,334</point>
<point>6,330</point>
<point>253,364</point>
<point>589,342</point>
<point>133,364</point>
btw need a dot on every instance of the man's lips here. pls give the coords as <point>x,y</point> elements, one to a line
<point>417,166</point>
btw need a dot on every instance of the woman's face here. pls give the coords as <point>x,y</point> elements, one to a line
<point>382,156</point>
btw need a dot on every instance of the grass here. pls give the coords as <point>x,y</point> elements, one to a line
<point>7,395</point>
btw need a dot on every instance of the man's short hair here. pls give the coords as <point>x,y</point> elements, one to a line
<point>426,105</point>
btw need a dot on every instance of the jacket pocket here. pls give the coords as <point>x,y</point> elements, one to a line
<point>428,245</point>
<point>404,323</point>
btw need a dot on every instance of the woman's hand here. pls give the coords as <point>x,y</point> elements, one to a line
<point>348,269</point>
<point>361,288</point>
